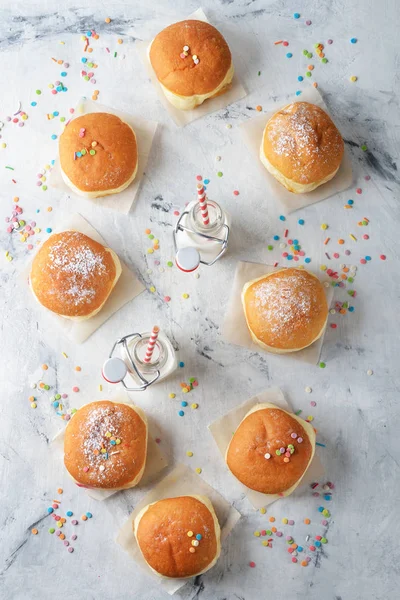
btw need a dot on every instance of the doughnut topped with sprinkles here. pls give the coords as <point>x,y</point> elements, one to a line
<point>73,275</point>
<point>105,445</point>
<point>271,450</point>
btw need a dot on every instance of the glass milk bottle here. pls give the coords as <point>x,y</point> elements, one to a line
<point>201,233</point>
<point>139,360</point>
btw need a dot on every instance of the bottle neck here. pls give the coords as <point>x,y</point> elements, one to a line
<point>216,217</point>
<point>138,348</point>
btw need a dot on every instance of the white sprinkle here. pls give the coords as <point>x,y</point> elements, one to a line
<point>308,390</point>
<point>326,284</point>
<point>332,311</point>
<point>101,468</point>
<point>267,456</point>
<point>282,245</point>
<point>33,386</point>
<point>229,126</point>
<point>307,538</point>
<point>370,372</point>
<point>218,158</point>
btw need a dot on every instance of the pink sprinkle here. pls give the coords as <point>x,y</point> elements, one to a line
<point>288,538</point>
<point>308,22</point>
<point>10,229</point>
<point>285,254</point>
<point>75,389</point>
<point>66,543</point>
<point>299,439</point>
<point>347,252</point>
<point>57,517</point>
<point>330,42</point>
<point>286,232</point>
<point>195,383</point>
<point>182,55</point>
<point>318,538</point>
<point>54,92</point>
<point>71,110</point>
<point>291,522</point>
<point>74,537</point>
<point>57,82</point>
<point>367,177</point>
<point>302,253</point>
<point>252,564</point>
<point>176,213</point>
<point>67,417</point>
<point>295,258</point>
<point>290,550</point>
<point>333,325</point>
<point>294,559</point>
<point>293,435</point>
<point>359,191</point>
<point>199,178</point>
<point>30,247</point>
<point>308,559</point>
<point>167,298</point>
<point>74,522</point>
<point>64,396</point>
<point>382,257</point>
<point>279,533</point>
<point>58,533</point>
<point>39,183</point>
<point>365,237</point>
<point>93,80</point>
<point>324,522</point>
<point>312,548</point>
<point>86,469</point>
<point>66,65</point>
<point>290,242</point>
<point>158,440</point>
<point>236,193</point>
<point>55,506</point>
<point>70,549</point>
<point>83,73</point>
<point>336,255</point>
<point>363,261</point>
<point>313,403</point>
<point>316,494</point>
<point>286,43</point>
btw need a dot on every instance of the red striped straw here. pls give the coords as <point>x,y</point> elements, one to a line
<point>201,195</point>
<point>151,344</point>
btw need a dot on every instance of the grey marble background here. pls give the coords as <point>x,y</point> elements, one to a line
<point>357,416</point>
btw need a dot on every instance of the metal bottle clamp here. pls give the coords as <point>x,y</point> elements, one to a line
<point>115,369</point>
<point>188,258</point>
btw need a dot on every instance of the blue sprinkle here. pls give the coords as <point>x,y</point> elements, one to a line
<point>105,456</point>
<point>49,230</point>
<point>63,74</point>
<point>307,260</point>
<point>199,536</point>
<point>289,257</point>
<point>327,497</point>
<point>38,210</point>
<point>184,403</point>
<point>296,16</point>
<point>353,40</point>
<point>295,242</point>
<point>300,78</point>
<point>321,509</point>
<point>89,515</point>
<point>50,510</point>
<point>113,442</point>
<point>89,33</point>
<point>298,93</point>
<point>69,513</point>
<point>83,59</point>
<point>289,55</point>
<point>52,162</point>
<point>206,181</point>
<point>55,113</point>
<point>59,88</point>
<point>79,154</point>
<point>351,308</point>
<point>282,218</point>
<point>297,247</point>
<point>319,443</point>
<point>56,404</point>
<point>318,544</point>
<point>350,202</point>
<point>181,413</point>
<point>33,103</point>
<point>65,89</point>
<point>301,221</point>
<point>181,364</point>
<point>299,548</point>
<point>276,237</point>
<point>367,258</point>
<point>54,137</point>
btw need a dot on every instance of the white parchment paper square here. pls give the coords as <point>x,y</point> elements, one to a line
<point>156,460</point>
<point>145,131</point>
<point>128,287</point>
<point>182,481</point>
<point>235,330</point>
<point>223,428</point>
<point>183,117</point>
<point>253,130</point>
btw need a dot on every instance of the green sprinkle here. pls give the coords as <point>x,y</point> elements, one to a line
<point>309,55</point>
<point>324,60</point>
<point>73,411</point>
<point>90,64</point>
<point>115,55</point>
<point>270,247</point>
<point>192,379</point>
<point>46,387</point>
<point>86,78</point>
<point>11,168</point>
<point>364,147</point>
<point>220,173</point>
<point>92,152</point>
<point>268,532</point>
<point>298,412</point>
<point>308,74</point>
<point>324,540</point>
<point>62,119</point>
<point>350,279</point>
<point>170,263</point>
<point>83,151</point>
<point>44,187</point>
<point>150,236</point>
<point>278,452</point>
<point>322,365</point>
<point>51,530</point>
<point>38,92</point>
<point>259,73</point>
<point>57,396</point>
<point>305,52</point>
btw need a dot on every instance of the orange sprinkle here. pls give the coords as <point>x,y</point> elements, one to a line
<point>107,20</point>
<point>294,546</point>
<point>259,108</point>
<point>156,246</point>
<point>94,97</point>
<point>96,452</point>
<point>34,531</point>
<point>326,241</point>
<point>31,398</point>
<point>96,36</point>
<point>280,42</point>
<point>345,269</point>
<point>16,199</point>
<point>41,384</point>
<point>342,311</point>
<point>304,563</point>
<point>322,55</point>
<point>90,49</point>
<point>84,518</point>
<point>271,519</point>
<point>62,536</point>
<point>315,84</point>
<point>120,41</point>
<point>340,241</point>
<point>147,231</point>
<point>63,520</point>
<point>307,521</point>
<point>343,276</point>
<point>45,367</point>
<point>78,369</point>
<point>60,491</point>
<point>49,208</point>
<point>310,67</point>
<point>274,529</point>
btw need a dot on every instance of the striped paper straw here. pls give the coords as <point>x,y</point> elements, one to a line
<point>201,195</point>
<point>151,344</point>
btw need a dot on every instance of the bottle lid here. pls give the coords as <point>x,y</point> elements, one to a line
<point>114,370</point>
<point>187,259</point>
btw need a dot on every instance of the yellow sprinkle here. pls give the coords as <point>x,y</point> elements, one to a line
<point>324,226</point>
<point>264,543</point>
<point>194,405</point>
<point>198,470</point>
<point>4,145</point>
<point>310,418</point>
<point>323,267</point>
<point>65,355</point>
<point>100,388</point>
<point>263,510</point>
<point>189,453</point>
<point>284,520</point>
<point>186,296</point>
<point>150,250</point>
<point>9,258</point>
<point>353,78</point>
<point>353,237</point>
<point>190,533</point>
<point>7,253</point>
<point>185,390</point>
<point>156,241</point>
<point>33,405</point>
<point>152,289</point>
<point>257,533</point>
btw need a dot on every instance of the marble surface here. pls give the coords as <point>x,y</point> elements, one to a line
<point>357,415</point>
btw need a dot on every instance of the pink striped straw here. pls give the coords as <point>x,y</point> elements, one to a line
<point>151,344</point>
<point>201,195</point>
